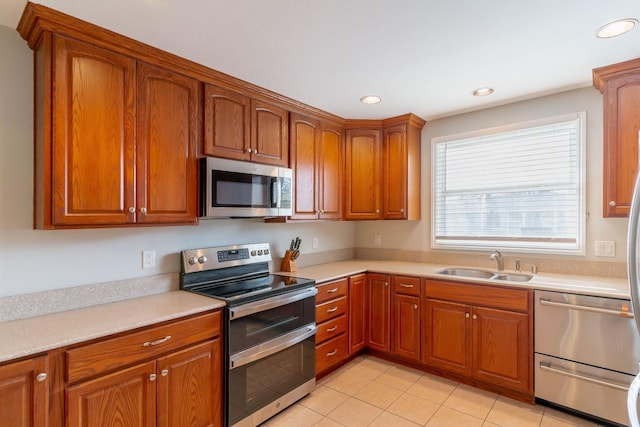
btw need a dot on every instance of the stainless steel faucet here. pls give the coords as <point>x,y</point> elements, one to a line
<point>497,256</point>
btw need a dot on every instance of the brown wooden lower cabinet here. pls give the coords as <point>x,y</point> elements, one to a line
<point>332,337</point>
<point>24,393</point>
<point>492,344</point>
<point>378,311</point>
<point>405,326</point>
<point>357,313</point>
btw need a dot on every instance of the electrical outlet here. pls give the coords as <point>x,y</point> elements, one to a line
<point>314,243</point>
<point>605,248</point>
<point>377,240</point>
<point>148,259</point>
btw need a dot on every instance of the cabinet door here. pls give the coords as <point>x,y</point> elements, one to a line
<point>621,127</point>
<point>357,312</point>
<point>93,135</point>
<point>405,326</point>
<point>166,162</point>
<point>501,348</point>
<point>395,170</point>
<point>269,134</point>
<point>330,172</point>
<point>304,162</point>
<point>362,182</point>
<point>24,393</point>
<point>447,337</point>
<point>227,119</point>
<point>190,387</point>
<point>123,398</point>
<point>378,307</point>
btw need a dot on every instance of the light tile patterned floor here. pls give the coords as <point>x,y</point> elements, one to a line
<point>373,392</point>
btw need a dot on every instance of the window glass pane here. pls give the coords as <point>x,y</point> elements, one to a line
<point>519,188</point>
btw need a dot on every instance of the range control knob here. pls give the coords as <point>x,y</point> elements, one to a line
<point>266,251</point>
<point>193,260</point>
<point>202,259</point>
<point>253,253</point>
<point>260,252</point>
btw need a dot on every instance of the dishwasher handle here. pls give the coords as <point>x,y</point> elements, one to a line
<point>619,313</point>
<point>546,366</point>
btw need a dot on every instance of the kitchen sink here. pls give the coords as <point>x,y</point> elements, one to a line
<point>485,274</point>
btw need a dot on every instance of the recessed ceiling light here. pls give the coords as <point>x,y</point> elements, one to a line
<point>370,99</point>
<point>483,91</point>
<point>616,28</point>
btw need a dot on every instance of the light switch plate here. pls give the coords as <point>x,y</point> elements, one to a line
<point>605,248</point>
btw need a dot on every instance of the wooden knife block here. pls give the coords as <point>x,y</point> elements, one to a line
<point>288,264</point>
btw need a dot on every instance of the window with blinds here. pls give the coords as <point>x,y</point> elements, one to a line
<point>519,187</point>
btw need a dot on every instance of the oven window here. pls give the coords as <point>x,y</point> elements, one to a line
<point>231,189</point>
<point>265,325</point>
<point>259,383</point>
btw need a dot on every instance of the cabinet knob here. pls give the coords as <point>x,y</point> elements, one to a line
<point>415,306</point>
<point>248,150</point>
<point>132,209</point>
<point>143,210</point>
<point>474,317</point>
<point>318,212</point>
<point>612,203</point>
<point>377,210</point>
<point>41,377</point>
<point>164,372</point>
<point>466,315</point>
<point>401,210</point>
<point>386,283</point>
<point>152,377</point>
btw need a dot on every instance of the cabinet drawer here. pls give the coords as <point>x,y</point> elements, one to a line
<point>331,309</point>
<point>110,354</point>
<point>331,352</point>
<point>406,285</point>
<point>480,295</point>
<point>331,328</point>
<point>331,290</point>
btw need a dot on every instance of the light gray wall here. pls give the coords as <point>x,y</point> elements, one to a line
<point>416,235</point>
<point>37,260</point>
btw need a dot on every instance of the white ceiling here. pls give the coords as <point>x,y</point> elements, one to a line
<point>420,56</point>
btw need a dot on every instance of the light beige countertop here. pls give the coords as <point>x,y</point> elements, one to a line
<point>587,285</point>
<point>34,335</point>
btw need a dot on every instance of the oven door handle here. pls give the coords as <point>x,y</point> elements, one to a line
<point>271,347</point>
<point>546,366</point>
<point>269,303</point>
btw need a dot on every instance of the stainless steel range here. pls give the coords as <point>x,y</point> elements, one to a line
<point>269,328</point>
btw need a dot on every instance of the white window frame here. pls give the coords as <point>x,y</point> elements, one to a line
<point>577,248</point>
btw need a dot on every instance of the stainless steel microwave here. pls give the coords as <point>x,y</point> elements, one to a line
<point>235,189</point>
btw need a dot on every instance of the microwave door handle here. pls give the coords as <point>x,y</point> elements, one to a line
<point>275,192</point>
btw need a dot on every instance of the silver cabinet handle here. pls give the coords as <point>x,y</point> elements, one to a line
<point>41,377</point>
<point>474,317</point>
<point>164,372</point>
<point>466,315</point>
<point>332,353</point>
<point>331,310</point>
<point>335,328</point>
<point>248,150</point>
<point>612,203</point>
<point>546,366</point>
<point>152,377</point>
<point>132,209</point>
<point>405,285</point>
<point>401,210</point>
<point>386,283</point>
<point>143,210</point>
<point>621,313</point>
<point>156,342</point>
<point>415,306</point>
<point>331,291</point>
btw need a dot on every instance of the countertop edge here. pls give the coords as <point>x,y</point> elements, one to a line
<point>39,334</point>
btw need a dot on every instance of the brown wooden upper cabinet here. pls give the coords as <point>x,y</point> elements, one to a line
<point>383,168</point>
<point>122,145</point>
<point>316,160</point>
<point>620,86</point>
<point>240,128</point>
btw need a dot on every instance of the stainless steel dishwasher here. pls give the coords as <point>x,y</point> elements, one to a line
<point>586,353</point>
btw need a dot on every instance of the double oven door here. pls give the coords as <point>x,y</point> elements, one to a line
<point>271,355</point>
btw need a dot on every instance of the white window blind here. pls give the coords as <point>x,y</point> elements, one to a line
<point>518,187</point>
